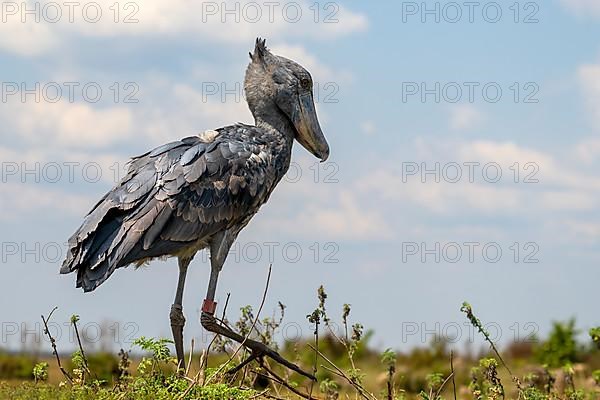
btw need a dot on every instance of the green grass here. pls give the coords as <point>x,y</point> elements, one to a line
<point>139,390</point>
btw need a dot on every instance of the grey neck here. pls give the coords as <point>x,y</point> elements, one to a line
<point>274,119</point>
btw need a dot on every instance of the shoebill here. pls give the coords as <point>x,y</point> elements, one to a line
<point>199,192</point>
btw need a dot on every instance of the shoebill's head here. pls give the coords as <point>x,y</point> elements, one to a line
<point>275,85</point>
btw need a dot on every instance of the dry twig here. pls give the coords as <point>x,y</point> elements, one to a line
<point>452,370</point>
<point>53,343</point>
<point>362,391</point>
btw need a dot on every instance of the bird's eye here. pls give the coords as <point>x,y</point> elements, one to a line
<point>305,83</point>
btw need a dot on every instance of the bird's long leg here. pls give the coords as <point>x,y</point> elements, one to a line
<point>176,315</point>
<point>209,323</point>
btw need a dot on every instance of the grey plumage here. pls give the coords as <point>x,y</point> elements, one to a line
<point>176,196</point>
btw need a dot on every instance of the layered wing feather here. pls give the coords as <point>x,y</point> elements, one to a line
<point>173,199</point>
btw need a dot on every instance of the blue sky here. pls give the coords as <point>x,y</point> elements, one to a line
<point>368,225</point>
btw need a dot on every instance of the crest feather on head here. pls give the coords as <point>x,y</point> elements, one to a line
<point>261,52</point>
<point>258,81</point>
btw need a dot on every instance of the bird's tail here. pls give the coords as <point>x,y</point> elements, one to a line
<point>112,237</point>
<point>110,232</point>
<point>88,249</point>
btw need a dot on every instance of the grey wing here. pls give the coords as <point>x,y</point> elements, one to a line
<point>171,199</point>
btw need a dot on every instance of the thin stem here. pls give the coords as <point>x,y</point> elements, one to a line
<point>452,370</point>
<point>312,383</point>
<point>356,385</point>
<point>53,343</point>
<point>85,361</point>
<point>437,394</point>
<point>190,359</point>
<point>282,381</point>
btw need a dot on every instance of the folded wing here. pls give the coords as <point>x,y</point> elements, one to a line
<point>172,200</point>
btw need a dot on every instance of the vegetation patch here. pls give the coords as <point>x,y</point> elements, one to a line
<point>346,367</point>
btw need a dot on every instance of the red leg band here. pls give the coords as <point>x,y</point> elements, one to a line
<point>209,306</point>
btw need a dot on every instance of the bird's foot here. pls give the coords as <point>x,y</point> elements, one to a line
<point>258,350</point>
<point>177,323</point>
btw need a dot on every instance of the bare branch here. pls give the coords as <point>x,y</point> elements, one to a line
<point>53,343</point>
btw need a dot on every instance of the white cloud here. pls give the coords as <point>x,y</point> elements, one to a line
<point>27,156</point>
<point>464,117</point>
<point>26,39</point>
<point>210,21</point>
<point>583,7</point>
<point>438,197</point>
<point>27,199</point>
<point>589,78</point>
<point>187,111</point>
<point>560,187</point>
<point>587,150</point>
<point>69,125</point>
<point>112,166</point>
<point>505,153</point>
<point>170,110</point>
<point>321,73</point>
<point>346,219</point>
<point>569,200</point>
<point>237,21</point>
<point>532,164</point>
<point>347,21</point>
<point>581,230</point>
<point>368,127</point>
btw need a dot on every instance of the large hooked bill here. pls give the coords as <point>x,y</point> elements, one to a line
<point>305,121</point>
